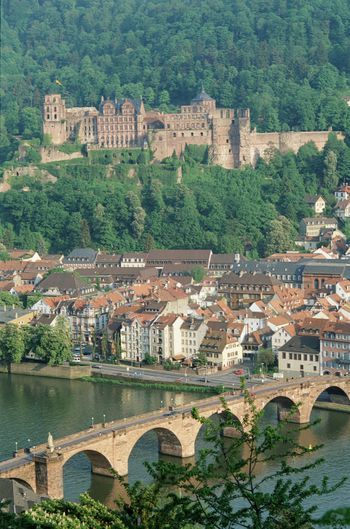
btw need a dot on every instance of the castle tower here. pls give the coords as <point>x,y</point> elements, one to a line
<point>205,101</point>
<point>241,138</point>
<point>54,112</point>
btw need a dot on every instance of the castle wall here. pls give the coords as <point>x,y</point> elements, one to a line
<point>262,142</point>
<point>165,142</point>
<point>52,154</point>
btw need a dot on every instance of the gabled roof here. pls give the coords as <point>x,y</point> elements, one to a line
<point>302,344</point>
<point>64,282</point>
<point>84,254</point>
<point>312,199</point>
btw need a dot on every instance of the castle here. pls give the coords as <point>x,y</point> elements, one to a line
<point>125,123</point>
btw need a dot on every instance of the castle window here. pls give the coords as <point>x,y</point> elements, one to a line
<point>192,134</point>
<point>201,133</point>
<point>227,141</point>
<point>227,113</point>
<point>47,109</point>
<point>54,100</point>
<point>174,134</point>
<point>168,126</point>
<point>55,109</point>
<point>48,116</point>
<point>182,134</point>
<point>55,116</point>
<point>229,151</point>
<point>203,125</point>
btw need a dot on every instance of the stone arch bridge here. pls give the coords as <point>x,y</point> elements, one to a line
<point>109,445</point>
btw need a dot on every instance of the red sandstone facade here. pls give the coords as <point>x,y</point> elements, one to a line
<point>126,124</point>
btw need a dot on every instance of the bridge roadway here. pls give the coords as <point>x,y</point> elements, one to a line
<point>109,445</point>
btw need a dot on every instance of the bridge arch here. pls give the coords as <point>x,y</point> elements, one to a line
<point>24,483</point>
<point>170,440</point>
<point>218,418</point>
<point>284,405</point>
<point>337,393</point>
<point>100,463</point>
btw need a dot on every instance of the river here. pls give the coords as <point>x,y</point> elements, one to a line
<point>30,407</point>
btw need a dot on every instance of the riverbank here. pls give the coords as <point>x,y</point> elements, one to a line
<point>36,369</point>
<point>333,406</point>
<point>178,387</point>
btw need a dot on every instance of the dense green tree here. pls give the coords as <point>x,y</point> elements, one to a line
<point>9,300</point>
<point>265,359</point>
<point>30,124</point>
<point>330,176</point>
<point>197,273</point>
<point>51,344</point>
<point>280,236</point>
<point>12,346</point>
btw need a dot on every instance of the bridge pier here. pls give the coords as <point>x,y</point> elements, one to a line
<point>230,432</point>
<point>49,475</point>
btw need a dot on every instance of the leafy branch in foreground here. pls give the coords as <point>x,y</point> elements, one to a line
<point>258,480</point>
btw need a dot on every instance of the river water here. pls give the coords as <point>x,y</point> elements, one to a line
<point>30,407</point>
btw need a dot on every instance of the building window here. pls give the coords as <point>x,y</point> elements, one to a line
<point>288,366</point>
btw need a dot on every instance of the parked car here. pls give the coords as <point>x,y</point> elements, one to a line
<point>239,372</point>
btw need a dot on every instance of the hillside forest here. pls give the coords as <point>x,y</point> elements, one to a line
<point>176,204</point>
<point>287,60</point>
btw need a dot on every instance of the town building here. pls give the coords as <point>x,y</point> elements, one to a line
<point>241,290</point>
<point>281,336</point>
<point>80,258</point>
<point>312,226</point>
<point>343,192</point>
<point>342,209</point>
<point>317,203</point>
<point>192,332</point>
<point>335,348</point>
<point>300,357</point>
<point>220,347</point>
<point>124,123</point>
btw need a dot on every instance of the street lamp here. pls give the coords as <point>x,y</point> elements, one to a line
<point>92,422</point>
<point>161,404</point>
<point>104,419</point>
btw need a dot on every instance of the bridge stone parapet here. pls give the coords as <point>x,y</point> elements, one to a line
<point>109,445</point>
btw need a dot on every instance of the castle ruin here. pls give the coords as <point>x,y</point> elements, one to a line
<point>125,123</point>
